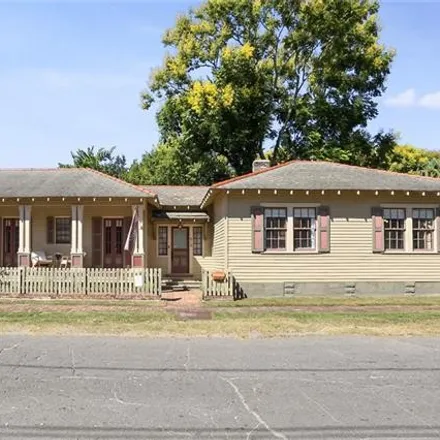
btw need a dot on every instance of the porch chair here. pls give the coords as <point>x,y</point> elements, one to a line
<point>39,258</point>
<point>65,262</point>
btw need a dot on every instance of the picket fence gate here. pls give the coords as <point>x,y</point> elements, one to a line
<point>210,287</point>
<point>80,281</point>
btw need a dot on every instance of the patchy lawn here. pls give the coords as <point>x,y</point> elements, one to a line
<point>153,318</point>
<point>328,301</point>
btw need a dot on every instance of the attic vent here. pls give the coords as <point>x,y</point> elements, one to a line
<point>259,165</point>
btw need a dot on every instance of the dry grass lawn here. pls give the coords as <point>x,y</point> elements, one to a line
<point>414,316</point>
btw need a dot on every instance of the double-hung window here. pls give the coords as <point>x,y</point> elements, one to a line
<point>275,228</point>
<point>423,228</point>
<point>394,228</point>
<point>304,228</point>
<point>162,244</point>
<point>63,230</point>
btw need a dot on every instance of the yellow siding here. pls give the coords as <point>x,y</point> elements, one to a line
<point>219,249</point>
<point>351,257</point>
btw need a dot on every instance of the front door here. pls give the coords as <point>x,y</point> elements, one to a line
<point>10,241</point>
<point>180,250</point>
<point>113,242</point>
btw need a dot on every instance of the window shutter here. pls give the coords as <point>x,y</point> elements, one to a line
<point>378,229</point>
<point>96,241</point>
<point>257,214</point>
<point>324,229</point>
<point>437,227</point>
<point>50,230</point>
<point>127,254</point>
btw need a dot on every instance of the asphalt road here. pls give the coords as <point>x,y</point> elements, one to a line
<point>299,388</point>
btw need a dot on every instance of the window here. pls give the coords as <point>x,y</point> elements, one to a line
<point>423,229</point>
<point>63,230</point>
<point>197,241</point>
<point>304,228</point>
<point>394,227</point>
<point>275,228</point>
<point>162,247</point>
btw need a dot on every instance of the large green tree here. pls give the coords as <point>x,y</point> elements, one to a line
<point>300,78</point>
<point>412,160</point>
<point>102,159</point>
<point>169,165</point>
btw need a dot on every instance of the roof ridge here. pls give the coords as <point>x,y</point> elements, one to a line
<point>116,179</point>
<point>41,169</point>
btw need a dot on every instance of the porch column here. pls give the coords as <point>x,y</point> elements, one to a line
<point>77,253</point>
<point>24,241</point>
<point>138,258</point>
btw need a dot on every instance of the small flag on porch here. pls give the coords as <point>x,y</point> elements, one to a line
<point>132,232</point>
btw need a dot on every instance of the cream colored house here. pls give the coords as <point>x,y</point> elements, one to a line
<point>297,228</point>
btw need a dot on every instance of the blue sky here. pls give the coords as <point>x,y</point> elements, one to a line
<point>71,73</point>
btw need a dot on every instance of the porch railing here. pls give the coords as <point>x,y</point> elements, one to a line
<point>211,288</point>
<point>80,281</point>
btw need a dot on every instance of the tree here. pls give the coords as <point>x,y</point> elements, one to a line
<point>412,160</point>
<point>300,78</point>
<point>101,160</point>
<point>168,165</point>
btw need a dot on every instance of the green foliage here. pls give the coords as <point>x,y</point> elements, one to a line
<point>169,165</point>
<point>300,78</point>
<point>101,160</point>
<point>412,160</point>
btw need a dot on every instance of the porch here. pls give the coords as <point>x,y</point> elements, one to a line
<point>58,234</point>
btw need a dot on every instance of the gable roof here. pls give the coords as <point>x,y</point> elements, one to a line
<point>172,195</point>
<point>303,175</point>
<point>65,182</point>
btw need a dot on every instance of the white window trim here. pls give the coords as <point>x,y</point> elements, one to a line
<point>409,228</point>
<point>55,229</point>
<point>289,233</point>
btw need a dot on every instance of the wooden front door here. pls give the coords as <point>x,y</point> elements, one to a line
<point>180,251</point>
<point>113,242</point>
<point>10,241</point>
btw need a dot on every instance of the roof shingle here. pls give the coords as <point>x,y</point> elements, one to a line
<point>302,175</point>
<point>170,195</point>
<point>65,182</point>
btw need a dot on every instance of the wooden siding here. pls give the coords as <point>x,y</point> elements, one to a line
<point>351,256</point>
<point>219,250</point>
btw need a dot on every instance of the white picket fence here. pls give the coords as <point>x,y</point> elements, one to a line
<point>85,281</point>
<point>217,288</point>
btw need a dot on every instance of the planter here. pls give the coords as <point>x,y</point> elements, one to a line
<point>219,275</point>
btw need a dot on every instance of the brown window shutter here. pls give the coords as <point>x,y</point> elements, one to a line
<point>324,229</point>
<point>127,254</point>
<point>50,230</point>
<point>257,214</point>
<point>96,241</point>
<point>378,229</point>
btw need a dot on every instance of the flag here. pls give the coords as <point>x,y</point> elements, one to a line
<point>132,232</point>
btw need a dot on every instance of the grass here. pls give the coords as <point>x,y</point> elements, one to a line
<point>433,300</point>
<point>81,302</point>
<point>243,324</point>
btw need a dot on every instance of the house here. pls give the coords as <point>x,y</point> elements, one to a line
<point>296,228</point>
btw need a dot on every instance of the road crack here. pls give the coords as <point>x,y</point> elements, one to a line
<point>253,413</point>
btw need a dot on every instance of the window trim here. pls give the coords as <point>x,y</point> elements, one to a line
<point>159,255</point>
<point>55,229</point>
<point>276,250</point>
<point>202,247</point>
<point>289,234</point>
<point>409,249</point>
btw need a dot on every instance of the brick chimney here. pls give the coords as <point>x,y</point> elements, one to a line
<point>260,164</point>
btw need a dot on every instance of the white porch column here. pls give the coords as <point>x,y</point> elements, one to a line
<point>24,240</point>
<point>74,229</point>
<point>76,253</point>
<point>80,221</point>
<point>138,257</point>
